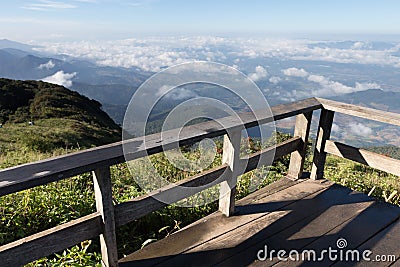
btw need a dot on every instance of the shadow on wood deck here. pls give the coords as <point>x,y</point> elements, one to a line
<point>287,215</point>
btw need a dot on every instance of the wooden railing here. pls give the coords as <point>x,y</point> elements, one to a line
<point>325,145</point>
<point>98,160</point>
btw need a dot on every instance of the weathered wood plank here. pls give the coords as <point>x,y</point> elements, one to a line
<point>385,243</point>
<point>362,112</point>
<point>104,204</point>
<point>42,172</point>
<point>51,241</point>
<point>133,209</point>
<point>217,224</point>
<point>365,157</point>
<point>275,187</point>
<point>304,214</point>
<point>230,157</point>
<point>356,231</point>
<point>324,132</point>
<point>314,227</point>
<point>264,156</point>
<point>297,158</point>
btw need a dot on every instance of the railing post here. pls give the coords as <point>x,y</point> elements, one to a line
<point>324,132</point>
<point>230,156</point>
<point>297,158</point>
<point>104,205</point>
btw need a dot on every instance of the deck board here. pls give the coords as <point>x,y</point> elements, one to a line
<point>317,222</point>
<point>385,243</point>
<point>301,214</point>
<point>248,238</point>
<point>363,225</point>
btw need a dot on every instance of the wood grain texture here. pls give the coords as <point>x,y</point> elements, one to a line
<point>104,205</point>
<point>42,172</point>
<point>230,157</point>
<point>216,224</point>
<point>324,132</point>
<point>365,157</point>
<point>51,241</point>
<point>385,243</point>
<point>280,229</point>
<point>297,158</point>
<point>307,215</point>
<point>362,112</point>
<point>356,231</point>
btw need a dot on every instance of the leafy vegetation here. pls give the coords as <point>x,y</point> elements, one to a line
<point>40,208</point>
<point>361,178</point>
<point>58,131</point>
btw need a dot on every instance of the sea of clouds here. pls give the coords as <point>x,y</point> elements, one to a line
<point>155,53</point>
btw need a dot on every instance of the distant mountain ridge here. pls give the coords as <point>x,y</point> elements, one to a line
<point>5,43</point>
<point>112,86</point>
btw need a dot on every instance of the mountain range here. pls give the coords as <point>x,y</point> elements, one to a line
<point>114,86</point>
<point>111,86</point>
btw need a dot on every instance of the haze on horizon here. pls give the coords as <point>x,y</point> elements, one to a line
<point>60,20</point>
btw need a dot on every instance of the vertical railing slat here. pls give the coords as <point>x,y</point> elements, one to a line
<point>230,156</point>
<point>324,132</point>
<point>104,205</point>
<point>297,158</point>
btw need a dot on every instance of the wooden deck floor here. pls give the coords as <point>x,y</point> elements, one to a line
<point>288,215</point>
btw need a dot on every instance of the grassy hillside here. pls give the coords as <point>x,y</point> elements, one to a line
<point>47,118</point>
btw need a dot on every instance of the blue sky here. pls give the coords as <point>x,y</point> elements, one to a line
<point>25,20</point>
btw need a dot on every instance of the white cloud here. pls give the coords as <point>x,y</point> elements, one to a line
<point>181,93</point>
<point>275,79</point>
<point>174,93</point>
<point>150,54</point>
<point>42,5</point>
<point>329,87</point>
<point>295,72</point>
<point>48,65</point>
<point>358,45</point>
<point>360,129</point>
<point>260,73</point>
<point>367,86</point>
<point>60,78</point>
<point>156,53</point>
<point>326,86</point>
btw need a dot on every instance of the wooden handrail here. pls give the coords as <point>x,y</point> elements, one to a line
<point>29,175</point>
<point>363,156</point>
<point>98,160</point>
<point>362,112</point>
<point>50,241</point>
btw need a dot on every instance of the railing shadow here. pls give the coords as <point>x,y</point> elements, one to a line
<point>278,235</point>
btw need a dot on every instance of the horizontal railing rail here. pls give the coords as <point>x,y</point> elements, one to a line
<point>368,158</point>
<point>42,172</point>
<point>98,160</point>
<point>374,160</point>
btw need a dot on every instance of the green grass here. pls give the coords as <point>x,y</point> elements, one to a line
<point>361,178</point>
<point>40,208</point>
<point>49,137</point>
